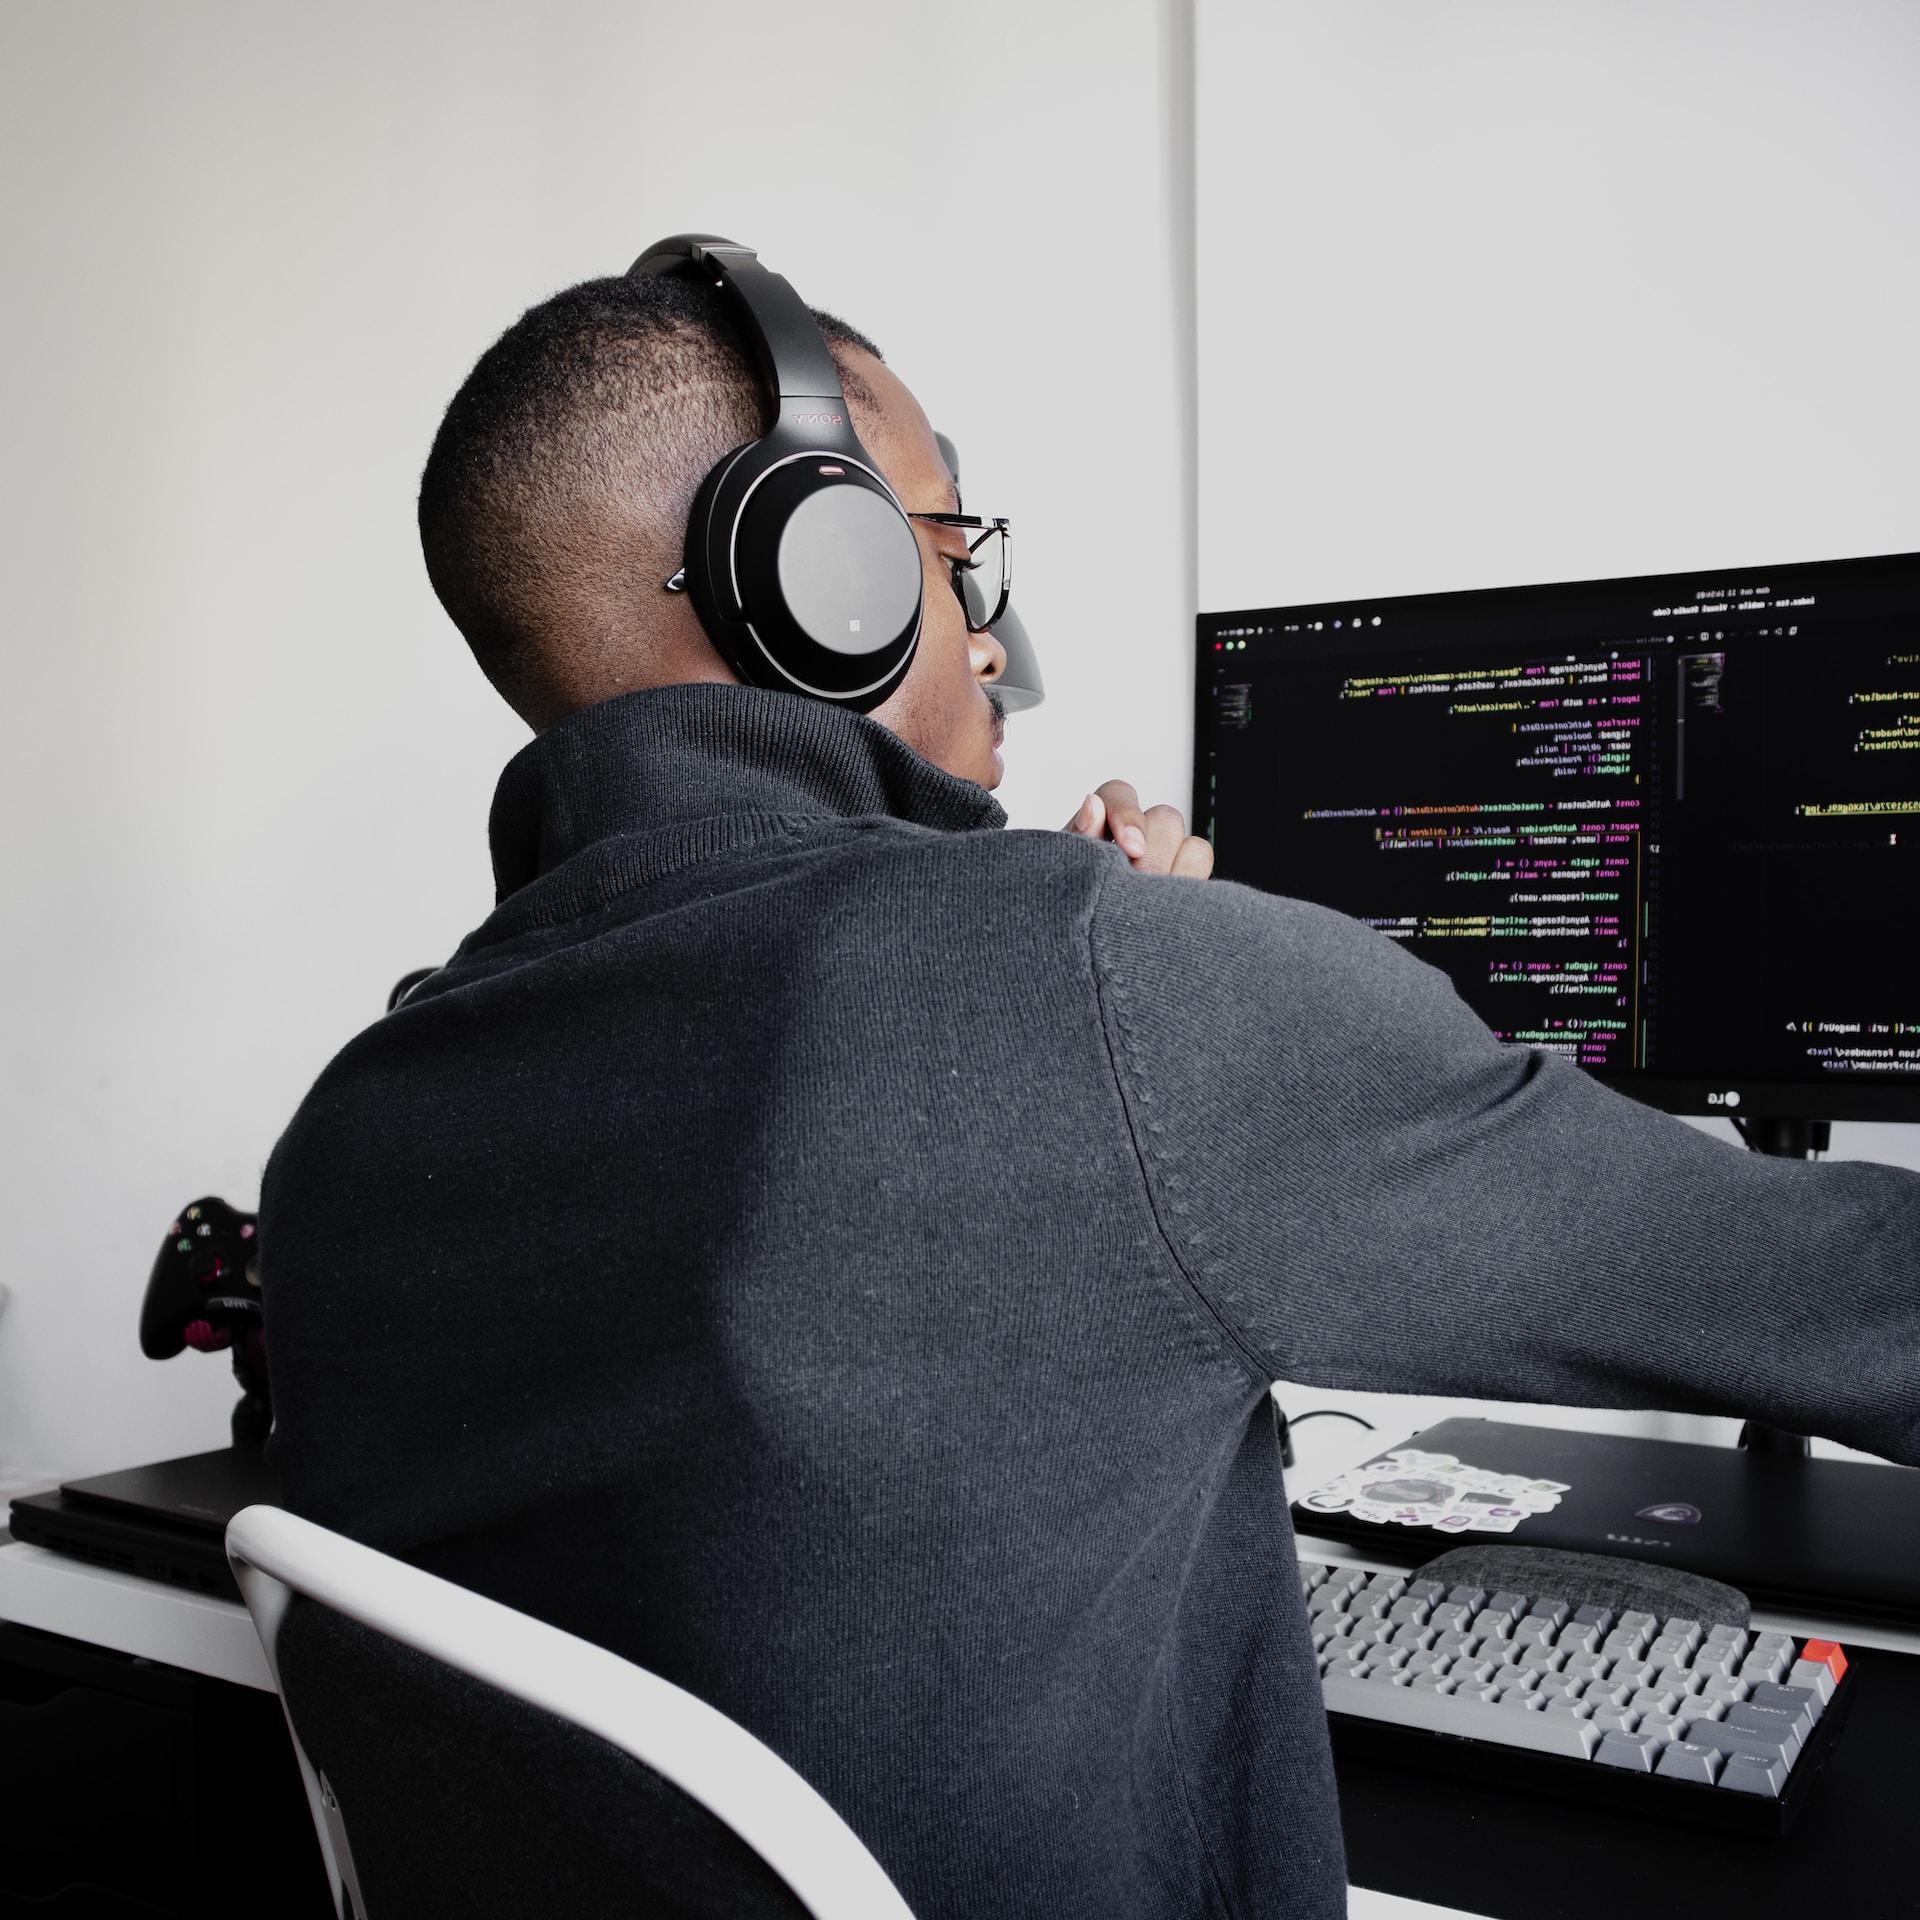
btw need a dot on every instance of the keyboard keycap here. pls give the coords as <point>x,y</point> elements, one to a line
<point>1597,1617</point>
<point>1815,1676</point>
<point>1800,1701</point>
<point>1567,1704</point>
<point>1748,1773</point>
<point>1637,1752</point>
<point>1513,1605</point>
<point>1431,1591</point>
<point>1827,1654</point>
<point>1549,1608</point>
<point>1765,1746</point>
<point>1770,1724</point>
<point>1472,1598</point>
<point>1686,1760</point>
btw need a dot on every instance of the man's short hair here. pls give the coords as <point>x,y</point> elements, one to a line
<point>560,480</point>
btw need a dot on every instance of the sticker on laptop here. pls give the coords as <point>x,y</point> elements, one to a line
<point>1409,1488</point>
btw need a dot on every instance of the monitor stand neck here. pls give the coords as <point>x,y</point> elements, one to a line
<point>1791,1140</point>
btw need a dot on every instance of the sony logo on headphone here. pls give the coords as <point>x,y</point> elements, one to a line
<point>819,419</point>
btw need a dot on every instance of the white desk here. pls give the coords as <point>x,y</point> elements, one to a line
<point>216,1637</point>
<point>194,1631</point>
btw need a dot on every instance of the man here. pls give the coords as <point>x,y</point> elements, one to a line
<point>835,1252</point>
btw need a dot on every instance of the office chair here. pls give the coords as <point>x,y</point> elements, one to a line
<point>461,1758</point>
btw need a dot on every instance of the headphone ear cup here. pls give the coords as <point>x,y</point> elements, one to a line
<point>806,574</point>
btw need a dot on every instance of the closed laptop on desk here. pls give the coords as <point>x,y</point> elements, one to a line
<point>166,1521</point>
<point>1789,1532</point>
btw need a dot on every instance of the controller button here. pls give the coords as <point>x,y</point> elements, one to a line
<point>246,1232</point>
<point>205,1227</point>
<point>204,1337</point>
<point>185,1246</point>
<point>175,1228</point>
<point>193,1213</point>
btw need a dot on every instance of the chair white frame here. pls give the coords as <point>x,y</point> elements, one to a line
<point>276,1554</point>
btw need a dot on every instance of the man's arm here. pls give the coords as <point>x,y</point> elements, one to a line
<point>1372,1192</point>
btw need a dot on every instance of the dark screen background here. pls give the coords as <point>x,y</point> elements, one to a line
<point>1669,827</point>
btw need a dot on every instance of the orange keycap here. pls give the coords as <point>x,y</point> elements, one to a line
<point>1827,1654</point>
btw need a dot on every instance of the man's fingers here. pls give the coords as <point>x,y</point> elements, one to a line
<point>1125,821</point>
<point>1166,829</point>
<point>1091,819</point>
<point>1194,861</point>
<point>1154,839</point>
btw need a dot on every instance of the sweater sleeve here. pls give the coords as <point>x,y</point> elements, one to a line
<point>1371,1191</point>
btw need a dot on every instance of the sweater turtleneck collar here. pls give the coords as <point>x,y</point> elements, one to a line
<point>714,766</point>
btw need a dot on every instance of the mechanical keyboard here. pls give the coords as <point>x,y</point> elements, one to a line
<point>1685,1719</point>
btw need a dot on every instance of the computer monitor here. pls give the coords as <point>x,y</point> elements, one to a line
<point>1668,826</point>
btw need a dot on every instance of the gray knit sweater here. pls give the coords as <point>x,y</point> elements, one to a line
<point>834,1252</point>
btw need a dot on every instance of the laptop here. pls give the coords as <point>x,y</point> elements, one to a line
<point>167,1521</point>
<point>1817,1537</point>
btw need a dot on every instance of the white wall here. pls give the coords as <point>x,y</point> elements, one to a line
<point>251,251</point>
<point>1522,290</point>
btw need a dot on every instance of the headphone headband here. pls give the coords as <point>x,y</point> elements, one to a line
<point>800,561</point>
<point>789,352</point>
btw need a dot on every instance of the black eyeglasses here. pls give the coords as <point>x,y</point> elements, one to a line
<point>984,580</point>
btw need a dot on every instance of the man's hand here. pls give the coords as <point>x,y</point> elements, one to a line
<point>1155,839</point>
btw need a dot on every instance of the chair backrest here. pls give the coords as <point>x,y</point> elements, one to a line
<point>462,1758</point>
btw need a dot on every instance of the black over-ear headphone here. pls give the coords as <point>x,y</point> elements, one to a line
<point>800,561</point>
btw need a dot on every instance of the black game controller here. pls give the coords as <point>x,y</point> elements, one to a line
<point>204,1293</point>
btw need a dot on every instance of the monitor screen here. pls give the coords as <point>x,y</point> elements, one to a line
<point>1668,827</point>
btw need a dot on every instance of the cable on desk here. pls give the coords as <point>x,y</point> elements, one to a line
<point>1287,1424</point>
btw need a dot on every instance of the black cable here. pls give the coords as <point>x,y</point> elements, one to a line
<point>1287,1426</point>
<point>1321,1413</point>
